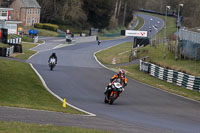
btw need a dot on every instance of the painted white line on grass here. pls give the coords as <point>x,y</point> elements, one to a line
<point>124,52</point>
<point>46,87</point>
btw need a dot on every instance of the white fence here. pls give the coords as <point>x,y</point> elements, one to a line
<point>10,51</point>
<point>14,41</point>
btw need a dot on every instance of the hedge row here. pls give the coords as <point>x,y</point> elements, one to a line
<point>46,26</point>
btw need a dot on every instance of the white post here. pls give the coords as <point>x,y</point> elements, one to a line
<point>167,7</point>
<point>164,52</point>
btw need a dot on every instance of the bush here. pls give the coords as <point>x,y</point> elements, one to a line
<point>27,39</point>
<point>46,26</point>
<point>38,25</point>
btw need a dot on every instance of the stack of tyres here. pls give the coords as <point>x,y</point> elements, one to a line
<point>3,52</point>
<point>18,48</point>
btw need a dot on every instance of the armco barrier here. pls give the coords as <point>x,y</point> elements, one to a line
<point>172,76</point>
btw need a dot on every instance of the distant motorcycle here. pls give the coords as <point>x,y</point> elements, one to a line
<point>99,42</point>
<point>52,63</point>
<point>114,89</point>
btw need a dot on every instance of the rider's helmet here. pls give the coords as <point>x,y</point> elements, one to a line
<point>54,54</point>
<point>121,73</point>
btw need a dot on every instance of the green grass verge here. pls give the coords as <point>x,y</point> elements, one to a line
<point>140,24</point>
<point>156,55</point>
<point>19,127</point>
<point>111,34</point>
<point>43,32</point>
<point>110,38</point>
<point>21,87</point>
<point>26,51</point>
<point>4,45</point>
<point>106,57</point>
<point>113,30</point>
<point>133,72</point>
<point>119,53</point>
<point>26,39</point>
<point>74,30</point>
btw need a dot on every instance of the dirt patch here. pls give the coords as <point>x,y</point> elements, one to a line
<point>15,54</point>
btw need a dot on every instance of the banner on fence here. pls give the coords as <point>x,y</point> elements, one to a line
<point>144,66</point>
<point>134,33</point>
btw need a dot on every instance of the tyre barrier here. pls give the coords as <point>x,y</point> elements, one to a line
<point>171,76</point>
<point>6,51</point>
<point>16,42</point>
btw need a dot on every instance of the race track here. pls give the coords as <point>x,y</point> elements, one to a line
<point>80,79</point>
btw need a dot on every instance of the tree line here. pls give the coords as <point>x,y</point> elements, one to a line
<point>87,13</point>
<point>111,13</point>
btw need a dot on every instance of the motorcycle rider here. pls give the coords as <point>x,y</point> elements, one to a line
<point>53,55</point>
<point>123,80</point>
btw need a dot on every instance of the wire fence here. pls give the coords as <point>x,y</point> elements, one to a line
<point>189,44</point>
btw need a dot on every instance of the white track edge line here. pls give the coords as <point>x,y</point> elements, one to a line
<point>46,87</point>
<point>142,82</point>
<point>94,54</point>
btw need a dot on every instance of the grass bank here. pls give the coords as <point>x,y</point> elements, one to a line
<point>156,55</point>
<point>140,24</point>
<point>43,32</point>
<point>119,53</point>
<point>26,51</point>
<point>19,127</point>
<point>107,56</point>
<point>21,87</point>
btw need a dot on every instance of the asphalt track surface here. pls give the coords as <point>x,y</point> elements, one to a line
<point>80,79</point>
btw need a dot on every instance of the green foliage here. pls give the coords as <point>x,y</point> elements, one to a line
<point>47,26</point>
<point>51,27</point>
<point>98,12</point>
<point>43,32</point>
<point>26,39</point>
<point>38,25</point>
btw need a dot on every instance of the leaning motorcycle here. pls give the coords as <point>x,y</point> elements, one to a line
<point>52,63</point>
<point>114,89</point>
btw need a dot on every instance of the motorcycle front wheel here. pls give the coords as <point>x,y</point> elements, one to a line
<point>112,98</point>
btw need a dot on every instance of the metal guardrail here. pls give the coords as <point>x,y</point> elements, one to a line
<point>171,76</point>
